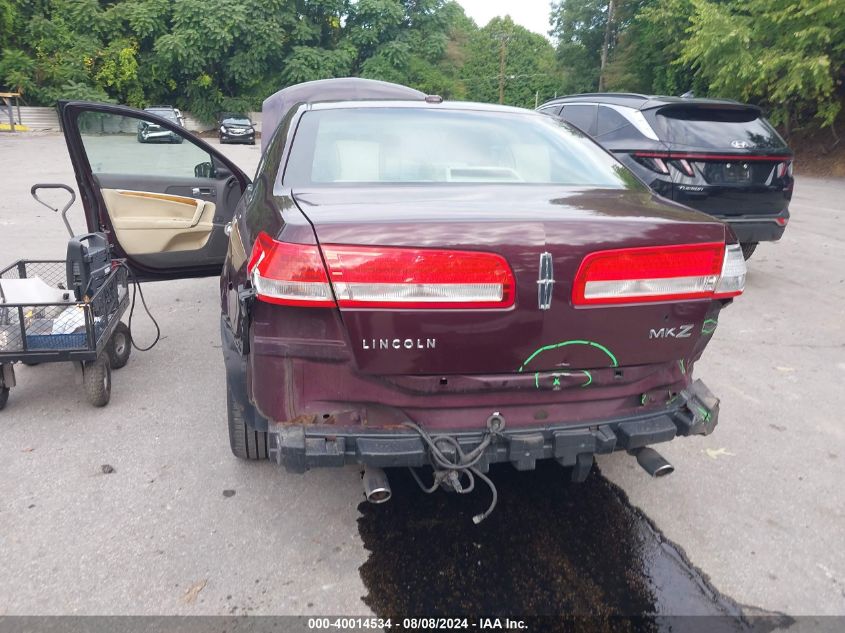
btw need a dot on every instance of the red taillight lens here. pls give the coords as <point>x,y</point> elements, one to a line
<point>374,277</point>
<point>289,274</point>
<point>379,277</point>
<point>648,274</point>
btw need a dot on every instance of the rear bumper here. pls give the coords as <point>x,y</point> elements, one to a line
<point>757,228</point>
<point>299,447</point>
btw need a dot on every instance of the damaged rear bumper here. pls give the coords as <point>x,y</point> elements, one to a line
<point>694,412</point>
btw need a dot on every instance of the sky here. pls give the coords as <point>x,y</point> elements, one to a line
<point>532,14</point>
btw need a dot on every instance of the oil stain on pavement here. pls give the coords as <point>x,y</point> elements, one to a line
<point>549,548</point>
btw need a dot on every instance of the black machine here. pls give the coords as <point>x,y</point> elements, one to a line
<point>88,264</point>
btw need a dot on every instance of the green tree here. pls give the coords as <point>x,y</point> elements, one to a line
<point>786,55</point>
<point>506,55</point>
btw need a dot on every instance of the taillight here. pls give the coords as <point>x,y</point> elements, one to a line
<point>655,161</point>
<point>732,280</point>
<point>379,277</point>
<point>785,169</point>
<point>659,273</point>
<point>389,277</point>
<point>289,274</point>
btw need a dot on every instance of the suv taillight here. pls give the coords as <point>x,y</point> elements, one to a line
<point>379,277</point>
<point>659,273</point>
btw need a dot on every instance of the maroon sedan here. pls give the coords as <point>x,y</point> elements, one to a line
<point>411,282</point>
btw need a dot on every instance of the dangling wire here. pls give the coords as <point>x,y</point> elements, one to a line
<point>448,470</point>
<point>136,290</point>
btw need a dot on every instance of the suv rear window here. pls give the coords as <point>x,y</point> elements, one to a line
<point>714,128</point>
<point>387,145</point>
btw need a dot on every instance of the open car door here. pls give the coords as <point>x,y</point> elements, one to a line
<point>163,200</point>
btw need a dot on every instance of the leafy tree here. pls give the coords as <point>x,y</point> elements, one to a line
<point>529,69</point>
<point>645,56</point>
<point>787,55</point>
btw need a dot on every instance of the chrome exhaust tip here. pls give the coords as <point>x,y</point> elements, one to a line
<point>376,485</point>
<point>652,462</point>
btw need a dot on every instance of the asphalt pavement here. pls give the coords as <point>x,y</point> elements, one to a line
<point>182,527</point>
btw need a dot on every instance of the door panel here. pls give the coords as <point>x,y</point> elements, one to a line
<point>146,223</point>
<point>164,205</point>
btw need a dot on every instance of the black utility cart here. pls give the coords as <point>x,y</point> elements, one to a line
<point>47,315</point>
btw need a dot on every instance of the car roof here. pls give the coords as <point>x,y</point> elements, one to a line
<point>641,101</point>
<point>432,105</point>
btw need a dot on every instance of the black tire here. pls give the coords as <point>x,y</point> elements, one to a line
<point>4,397</point>
<point>141,139</point>
<point>244,442</point>
<point>748,249</point>
<point>97,380</point>
<point>119,346</point>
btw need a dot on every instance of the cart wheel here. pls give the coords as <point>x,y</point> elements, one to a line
<point>97,381</point>
<point>120,346</point>
<point>4,396</point>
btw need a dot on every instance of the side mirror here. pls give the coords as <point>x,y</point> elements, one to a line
<point>204,170</point>
<point>220,170</point>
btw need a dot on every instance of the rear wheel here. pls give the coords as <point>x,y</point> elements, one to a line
<point>748,249</point>
<point>97,380</point>
<point>120,346</point>
<point>245,442</point>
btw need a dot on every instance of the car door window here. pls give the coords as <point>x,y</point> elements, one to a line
<point>581,116</point>
<point>551,110</point>
<point>609,120</point>
<point>117,144</point>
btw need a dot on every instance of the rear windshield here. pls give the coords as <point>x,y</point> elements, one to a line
<point>416,145</point>
<point>165,114</point>
<point>718,129</point>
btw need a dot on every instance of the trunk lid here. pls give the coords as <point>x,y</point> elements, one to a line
<point>520,223</point>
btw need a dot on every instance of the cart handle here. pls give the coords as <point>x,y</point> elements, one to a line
<point>56,185</point>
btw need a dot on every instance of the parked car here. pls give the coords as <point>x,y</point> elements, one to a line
<point>236,128</point>
<point>151,131</point>
<point>714,155</point>
<point>410,282</point>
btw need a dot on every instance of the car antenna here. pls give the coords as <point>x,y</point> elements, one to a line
<point>689,94</point>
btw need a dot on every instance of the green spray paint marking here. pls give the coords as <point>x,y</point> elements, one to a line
<point>704,412</point>
<point>681,365</point>
<point>547,348</point>
<point>643,399</point>
<point>556,382</point>
<point>709,326</point>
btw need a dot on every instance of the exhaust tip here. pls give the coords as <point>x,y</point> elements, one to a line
<point>652,462</point>
<point>379,495</point>
<point>376,486</point>
<point>666,469</point>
